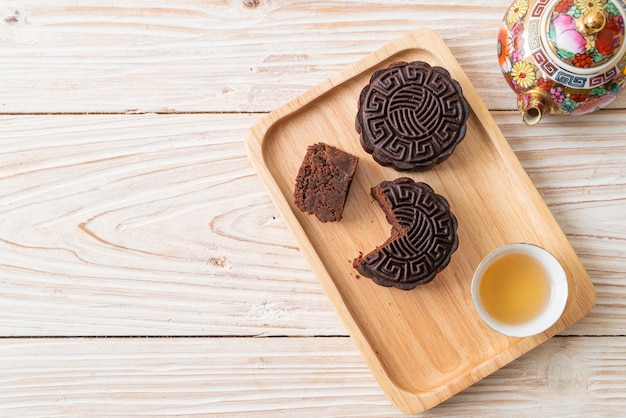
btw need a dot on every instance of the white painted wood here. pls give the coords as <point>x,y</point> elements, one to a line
<point>121,225</point>
<point>144,225</point>
<point>118,225</point>
<point>286,377</point>
<point>198,55</point>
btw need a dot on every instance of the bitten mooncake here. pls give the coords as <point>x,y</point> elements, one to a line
<point>423,235</point>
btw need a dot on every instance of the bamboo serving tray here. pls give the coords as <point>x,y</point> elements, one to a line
<point>426,344</point>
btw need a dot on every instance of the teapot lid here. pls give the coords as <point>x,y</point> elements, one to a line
<point>584,36</point>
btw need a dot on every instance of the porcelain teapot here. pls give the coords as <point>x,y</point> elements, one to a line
<point>563,56</point>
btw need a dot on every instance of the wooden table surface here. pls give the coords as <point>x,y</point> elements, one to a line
<point>143,267</point>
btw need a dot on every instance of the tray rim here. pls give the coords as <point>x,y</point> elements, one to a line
<point>405,400</point>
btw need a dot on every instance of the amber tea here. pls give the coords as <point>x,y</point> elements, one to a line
<point>519,289</point>
<point>515,288</point>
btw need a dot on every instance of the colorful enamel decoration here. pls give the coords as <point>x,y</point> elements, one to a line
<point>563,56</point>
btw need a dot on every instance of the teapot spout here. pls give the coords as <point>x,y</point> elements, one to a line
<point>531,104</point>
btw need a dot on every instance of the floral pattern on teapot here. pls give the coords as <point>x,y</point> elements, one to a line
<point>566,55</point>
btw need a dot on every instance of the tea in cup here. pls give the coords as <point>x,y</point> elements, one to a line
<point>519,290</point>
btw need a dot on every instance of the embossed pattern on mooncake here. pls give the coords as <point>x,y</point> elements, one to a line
<point>411,116</point>
<point>423,235</point>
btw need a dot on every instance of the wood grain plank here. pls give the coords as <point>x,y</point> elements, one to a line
<point>120,225</point>
<point>197,55</point>
<point>564,377</point>
<point>143,225</point>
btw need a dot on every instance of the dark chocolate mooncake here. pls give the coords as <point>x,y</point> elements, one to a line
<point>411,115</point>
<point>423,235</point>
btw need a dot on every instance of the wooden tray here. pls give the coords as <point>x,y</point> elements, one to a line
<point>427,344</point>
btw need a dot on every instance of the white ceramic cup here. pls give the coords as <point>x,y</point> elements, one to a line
<point>556,301</point>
